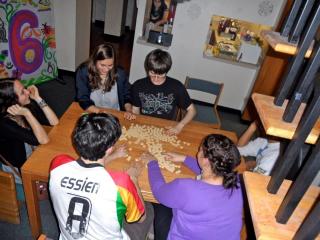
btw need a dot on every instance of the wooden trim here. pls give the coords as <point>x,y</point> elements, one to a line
<point>270,73</point>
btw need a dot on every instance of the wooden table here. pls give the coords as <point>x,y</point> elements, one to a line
<point>264,205</point>
<point>271,118</point>
<point>36,168</point>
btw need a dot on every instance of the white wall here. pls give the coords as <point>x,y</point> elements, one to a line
<point>98,10</point>
<point>190,31</point>
<point>72,28</point>
<point>65,21</point>
<point>114,17</point>
<point>130,12</point>
<point>83,26</point>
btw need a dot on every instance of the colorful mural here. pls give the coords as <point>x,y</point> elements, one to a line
<point>27,41</point>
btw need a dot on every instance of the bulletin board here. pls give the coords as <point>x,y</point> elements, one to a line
<point>231,39</point>
<point>27,41</point>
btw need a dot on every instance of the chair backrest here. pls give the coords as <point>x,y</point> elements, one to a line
<point>204,86</point>
<point>44,237</point>
<point>212,89</point>
<point>9,207</point>
<point>6,166</point>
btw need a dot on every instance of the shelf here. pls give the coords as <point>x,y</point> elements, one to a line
<point>143,41</point>
<point>281,44</point>
<point>264,206</point>
<point>232,62</point>
<point>271,118</point>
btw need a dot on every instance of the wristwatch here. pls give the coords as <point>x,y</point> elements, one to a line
<point>42,103</point>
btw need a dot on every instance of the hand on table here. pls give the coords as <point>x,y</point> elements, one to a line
<point>174,157</point>
<point>120,151</point>
<point>147,157</point>
<point>174,130</point>
<point>135,170</point>
<point>129,116</point>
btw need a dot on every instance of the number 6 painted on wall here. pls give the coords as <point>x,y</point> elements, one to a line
<point>26,53</point>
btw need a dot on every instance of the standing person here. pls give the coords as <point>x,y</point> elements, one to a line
<point>22,111</point>
<point>158,13</point>
<point>161,96</point>
<point>100,84</point>
<point>210,206</point>
<point>91,202</point>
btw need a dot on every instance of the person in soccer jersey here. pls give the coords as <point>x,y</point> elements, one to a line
<point>91,202</point>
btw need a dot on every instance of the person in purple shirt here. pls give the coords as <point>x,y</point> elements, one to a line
<point>210,206</point>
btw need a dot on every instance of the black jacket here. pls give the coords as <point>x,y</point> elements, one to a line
<point>83,88</point>
<point>13,136</point>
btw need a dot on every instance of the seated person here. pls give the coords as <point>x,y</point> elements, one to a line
<point>22,111</point>
<point>91,202</point>
<point>161,96</point>
<point>100,84</point>
<point>265,151</point>
<point>210,206</point>
<point>158,13</point>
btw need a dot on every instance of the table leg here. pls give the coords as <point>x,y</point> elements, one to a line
<point>32,203</point>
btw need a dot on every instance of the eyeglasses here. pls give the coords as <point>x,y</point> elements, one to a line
<point>157,76</point>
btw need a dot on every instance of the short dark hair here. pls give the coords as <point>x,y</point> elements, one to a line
<point>224,156</point>
<point>8,97</point>
<point>94,133</point>
<point>158,61</point>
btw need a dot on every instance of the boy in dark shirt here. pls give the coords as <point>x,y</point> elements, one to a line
<point>160,96</point>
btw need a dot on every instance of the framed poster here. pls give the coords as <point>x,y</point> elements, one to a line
<point>27,41</point>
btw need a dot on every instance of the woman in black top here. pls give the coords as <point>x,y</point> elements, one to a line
<point>158,14</point>
<point>22,111</point>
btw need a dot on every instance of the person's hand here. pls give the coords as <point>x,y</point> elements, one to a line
<point>135,170</point>
<point>157,24</point>
<point>129,116</point>
<point>18,110</point>
<point>34,93</point>
<point>174,130</point>
<point>174,157</point>
<point>120,151</point>
<point>147,157</point>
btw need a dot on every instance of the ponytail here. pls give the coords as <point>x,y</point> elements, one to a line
<point>230,180</point>
<point>224,157</point>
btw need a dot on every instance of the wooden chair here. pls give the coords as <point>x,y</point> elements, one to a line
<point>19,187</point>
<point>10,194</point>
<point>44,237</point>
<point>205,111</point>
<point>9,206</point>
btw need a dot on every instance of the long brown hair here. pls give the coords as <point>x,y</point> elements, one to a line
<point>102,52</point>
